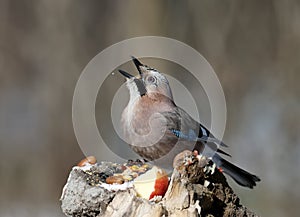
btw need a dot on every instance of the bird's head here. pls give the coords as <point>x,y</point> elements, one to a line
<point>149,81</point>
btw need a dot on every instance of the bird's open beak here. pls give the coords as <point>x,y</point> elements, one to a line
<point>137,64</point>
<point>125,74</point>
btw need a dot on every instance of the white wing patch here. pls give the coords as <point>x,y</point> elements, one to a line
<point>203,131</point>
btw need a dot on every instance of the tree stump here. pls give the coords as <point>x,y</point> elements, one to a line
<point>195,189</point>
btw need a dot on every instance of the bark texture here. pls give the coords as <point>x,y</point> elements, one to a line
<point>194,190</point>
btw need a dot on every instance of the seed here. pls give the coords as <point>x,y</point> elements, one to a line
<point>86,161</point>
<point>114,179</point>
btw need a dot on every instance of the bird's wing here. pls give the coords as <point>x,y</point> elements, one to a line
<point>206,136</point>
<point>183,126</point>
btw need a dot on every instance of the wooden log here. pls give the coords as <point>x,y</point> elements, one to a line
<point>195,189</point>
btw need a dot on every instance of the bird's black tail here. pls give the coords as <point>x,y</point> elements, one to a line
<point>239,175</point>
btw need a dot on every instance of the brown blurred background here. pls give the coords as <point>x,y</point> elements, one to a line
<point>253,46</point>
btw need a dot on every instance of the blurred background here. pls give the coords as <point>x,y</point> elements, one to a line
<point>254,47</point>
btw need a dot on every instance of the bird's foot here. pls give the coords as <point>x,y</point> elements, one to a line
<point>135,162</point>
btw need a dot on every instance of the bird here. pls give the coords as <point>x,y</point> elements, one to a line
<point>157,129</point>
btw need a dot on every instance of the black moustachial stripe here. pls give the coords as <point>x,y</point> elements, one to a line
<point>141,87</point>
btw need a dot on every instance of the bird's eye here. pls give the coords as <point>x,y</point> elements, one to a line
<point>151,79</point>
